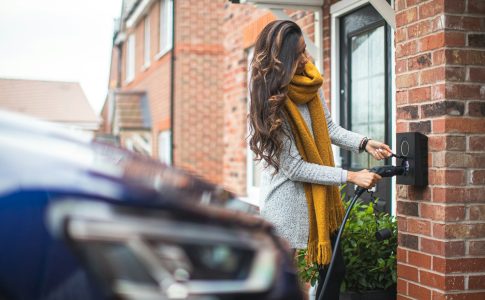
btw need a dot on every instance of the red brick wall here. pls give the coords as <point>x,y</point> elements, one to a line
<point>327,50</point>
<point>139,46</point>
<point>440,68</point>
<point>113,72</point>
<point>199,74</point>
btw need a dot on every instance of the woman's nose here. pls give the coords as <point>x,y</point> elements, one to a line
<point>305,59</point>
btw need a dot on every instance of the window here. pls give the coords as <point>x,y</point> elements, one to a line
<point>165,147</point>
<point>146,48</point>
<point>166,13</point>
<point>253,168</point>
<point>130,58</point>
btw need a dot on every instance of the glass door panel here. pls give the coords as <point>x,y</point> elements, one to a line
<point>367,84</point>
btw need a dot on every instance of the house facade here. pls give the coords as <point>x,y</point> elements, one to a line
<point>179,99</point>
<point>389,67</point>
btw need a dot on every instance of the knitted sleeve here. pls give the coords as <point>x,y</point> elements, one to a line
<point>296,169</point>
<point>341,137</point>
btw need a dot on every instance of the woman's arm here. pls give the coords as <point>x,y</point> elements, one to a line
<point>296,169</point>
<point>341,137</point>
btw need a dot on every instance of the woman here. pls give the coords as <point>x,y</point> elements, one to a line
<point>291,131</point>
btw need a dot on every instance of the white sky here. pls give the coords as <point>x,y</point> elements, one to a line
<point>65,40</point>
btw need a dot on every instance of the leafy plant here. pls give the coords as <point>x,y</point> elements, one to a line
<point>307,272</point>
<point>370,264</point>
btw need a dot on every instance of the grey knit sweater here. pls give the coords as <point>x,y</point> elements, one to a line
<point>283,200</point>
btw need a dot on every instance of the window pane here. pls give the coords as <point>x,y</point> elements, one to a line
<point>256,172</point>
<point>147,41</point>
<point>166,8</point>
<point>164,146</point>
<point>130,58</point>
<point>367,80</point>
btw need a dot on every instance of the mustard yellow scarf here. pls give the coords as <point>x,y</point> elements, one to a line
<point>325,210</point>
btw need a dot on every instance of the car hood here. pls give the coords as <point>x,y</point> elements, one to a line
<point>36,155</point>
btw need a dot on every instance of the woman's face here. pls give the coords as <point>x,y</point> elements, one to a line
<point>302,56</point>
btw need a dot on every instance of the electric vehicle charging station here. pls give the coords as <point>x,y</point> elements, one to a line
<point>414,146</point>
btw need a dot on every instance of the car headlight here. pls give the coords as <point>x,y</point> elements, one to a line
<point>142,256</point>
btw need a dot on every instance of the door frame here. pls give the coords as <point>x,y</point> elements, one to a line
<point>337,10</point>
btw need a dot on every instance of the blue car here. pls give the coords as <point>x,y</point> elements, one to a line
<point>81,219</point>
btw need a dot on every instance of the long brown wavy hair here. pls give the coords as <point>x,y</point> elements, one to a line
<point>274,62</point>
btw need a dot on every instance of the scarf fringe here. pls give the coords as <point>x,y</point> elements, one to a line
<point>319,252</point>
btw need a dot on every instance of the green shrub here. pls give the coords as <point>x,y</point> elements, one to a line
<point>370,264</point>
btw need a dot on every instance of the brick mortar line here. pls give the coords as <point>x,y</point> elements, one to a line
<point>444,47</point>
<point>440,66</point>
<point>437,272</point>
<point>431,18</point>
<point>440,239</point>
<point>460,222</point>
<point>456,169</point>
<point>445,222</point>
<point>464,274</point>
<point>445,203</point>
<point>436,239</point>
<point>466,48</point>
<point>464,14</point>
<point>452,134</point>
<point>445,257</point>
<point>437,49</point>
<point>440,116</point>
<point>444,116</point>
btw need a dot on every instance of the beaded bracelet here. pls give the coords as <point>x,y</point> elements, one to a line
<point>363,143</point>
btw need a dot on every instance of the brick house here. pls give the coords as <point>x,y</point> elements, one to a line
<point>61,103</point>
<point>175,98</point>
<point>409,66</point>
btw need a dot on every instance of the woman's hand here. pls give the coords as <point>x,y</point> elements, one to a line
<point>363,178</point>
<point>378,150</point>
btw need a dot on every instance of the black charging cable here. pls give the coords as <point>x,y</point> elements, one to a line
<point>383,171</point>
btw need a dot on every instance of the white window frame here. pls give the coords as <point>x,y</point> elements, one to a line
<point>166,26</point>
<point>130,58</point>
<point>253,192</point>
<point>147,45</point>
<point>165,146</point>
<point>337,10</point>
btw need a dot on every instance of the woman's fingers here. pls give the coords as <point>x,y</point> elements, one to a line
<point>377,154</point>
<point>379,150</point>
<point>364,178</point>
<point>381,153</point>
<point>388,149</point>
<point>372,180</point>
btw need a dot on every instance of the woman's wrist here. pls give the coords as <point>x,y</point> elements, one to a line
<point>350,176</point>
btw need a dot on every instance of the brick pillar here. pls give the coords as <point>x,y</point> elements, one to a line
<point>198,116</point>
<point>440,79</point>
